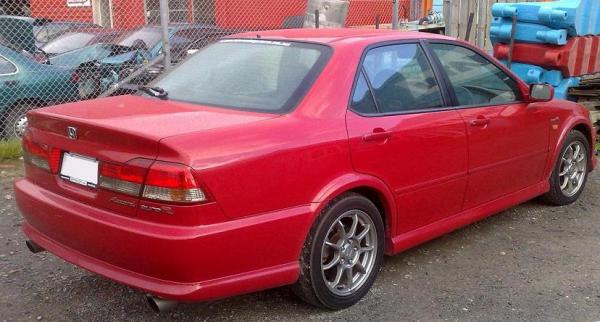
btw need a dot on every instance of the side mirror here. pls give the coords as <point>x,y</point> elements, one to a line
<point>541,93</point>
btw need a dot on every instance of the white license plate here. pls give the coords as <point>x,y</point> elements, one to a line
<point>79,169</point>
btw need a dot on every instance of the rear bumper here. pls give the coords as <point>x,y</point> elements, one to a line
<point>179,263</point>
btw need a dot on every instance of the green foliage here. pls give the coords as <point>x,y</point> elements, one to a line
<point>10,149</point>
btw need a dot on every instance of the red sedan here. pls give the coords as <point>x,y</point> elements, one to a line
<point>295,157</point>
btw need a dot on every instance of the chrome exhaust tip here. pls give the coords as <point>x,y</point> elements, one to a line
<point>33,247</point>
<point>159,305</point>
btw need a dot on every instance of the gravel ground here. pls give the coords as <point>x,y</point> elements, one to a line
<point>532,262</point>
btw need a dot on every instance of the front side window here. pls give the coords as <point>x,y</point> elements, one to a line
<point>401,79</point>
<point>475,80</point>
<point>6,67</point>
<point>250,74</point>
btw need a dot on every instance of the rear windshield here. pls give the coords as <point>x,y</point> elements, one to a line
<point>150,36</point>
<point>68,42</point>
<point>251,74</point>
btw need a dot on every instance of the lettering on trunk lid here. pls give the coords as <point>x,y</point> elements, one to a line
<point>123,202</point>
<point>159,210</point>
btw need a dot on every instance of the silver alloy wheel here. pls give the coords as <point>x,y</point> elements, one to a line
<point>573,169</point>
<point>20,126</point>
<point>348,252</point>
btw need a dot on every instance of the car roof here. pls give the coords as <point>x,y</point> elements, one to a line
<point>338,35</point>
<point>92,30</point>
<point>12,55</point>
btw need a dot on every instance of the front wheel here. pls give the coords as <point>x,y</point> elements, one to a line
<point>570,171</point>
<point>342,253</point>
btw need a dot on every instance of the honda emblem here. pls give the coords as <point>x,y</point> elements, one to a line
<point>72,132</point>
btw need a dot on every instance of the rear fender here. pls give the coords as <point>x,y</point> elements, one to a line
<point>353,182</point>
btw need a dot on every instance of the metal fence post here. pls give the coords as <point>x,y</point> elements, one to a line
<point>164,23</point>
<point>395,9</point>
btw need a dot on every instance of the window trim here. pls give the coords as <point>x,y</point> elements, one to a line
<point>448,84</point>
<point>446,100</point>
<point>362,72</point>
<point>12,63</point>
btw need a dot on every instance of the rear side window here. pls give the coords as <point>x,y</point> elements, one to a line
<point>475,80</point>
<point>401,79</point>
<point>362,99</point>
<point>6,67</point>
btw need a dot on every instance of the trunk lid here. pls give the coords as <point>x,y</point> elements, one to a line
<point>120,129</point>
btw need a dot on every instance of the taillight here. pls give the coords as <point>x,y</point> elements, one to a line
<point>172,182</point>
<point>41,155</point>
<point>75,78</point>
<point>125,178</point>
<point>160,181</point>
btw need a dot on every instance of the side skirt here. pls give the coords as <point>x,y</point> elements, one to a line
<point>423,234</point>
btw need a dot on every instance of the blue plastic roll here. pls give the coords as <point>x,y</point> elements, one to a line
<point>533,74</point>
<point>562,90</point>
<point>578,17</point>
<point>500,30</point>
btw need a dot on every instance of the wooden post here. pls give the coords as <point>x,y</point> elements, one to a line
<point>317,19</point>
<point>469,26</point>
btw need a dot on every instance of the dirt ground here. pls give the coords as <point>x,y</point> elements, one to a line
<point>532,262</point>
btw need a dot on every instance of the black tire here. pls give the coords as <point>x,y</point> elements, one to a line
<point>556,196</point>
<point>89,82</point>
<point>311,286</point>
<point>15,120</point>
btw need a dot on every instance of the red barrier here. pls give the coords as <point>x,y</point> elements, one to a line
<point>580,56</point>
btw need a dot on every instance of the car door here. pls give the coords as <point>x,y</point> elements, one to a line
<point>9,83</point>
<point>402,131</point>
<point>508,139</point>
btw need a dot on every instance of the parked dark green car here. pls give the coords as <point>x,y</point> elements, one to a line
<point>25,85</point>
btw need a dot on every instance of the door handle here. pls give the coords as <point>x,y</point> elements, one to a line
<point>480,121</point>
<point>377,135</point>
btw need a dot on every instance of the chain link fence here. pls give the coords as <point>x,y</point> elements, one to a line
<point>58,51</point>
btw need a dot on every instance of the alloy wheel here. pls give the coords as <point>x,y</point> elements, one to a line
<point>349,252</point>
<point>573,168</point>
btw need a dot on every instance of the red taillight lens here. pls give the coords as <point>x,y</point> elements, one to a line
<point>172,182</point>
<point>125,178</point>
<point>75,78</point>
<point>41,155</point>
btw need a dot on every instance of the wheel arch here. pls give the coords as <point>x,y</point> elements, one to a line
<point>28,100</point>
<point>4,114</point>
<point>371,188</point>
<point>582,125</point>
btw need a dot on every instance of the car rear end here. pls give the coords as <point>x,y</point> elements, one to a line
<point>82,193</point>
<point>97,194</point>
<point>109,184</point>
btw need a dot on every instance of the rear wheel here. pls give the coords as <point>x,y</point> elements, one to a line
<point>570,171</point>
<point>89,81</point>
<point>15,120</point>
<point>342,254</point>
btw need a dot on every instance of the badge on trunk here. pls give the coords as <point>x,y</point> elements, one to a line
<point>72,132</point>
